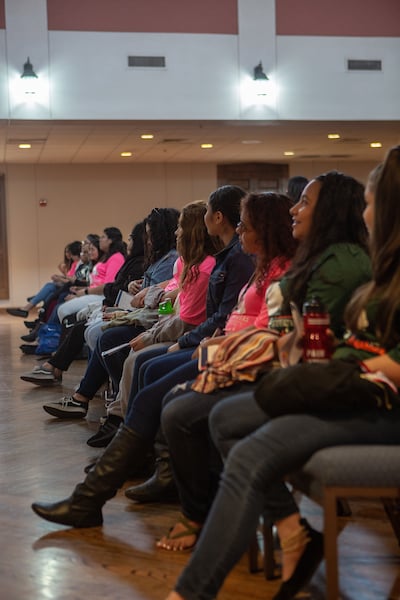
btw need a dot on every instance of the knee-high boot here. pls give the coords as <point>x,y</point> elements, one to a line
<point>83,507</point>
<point>161,485</point>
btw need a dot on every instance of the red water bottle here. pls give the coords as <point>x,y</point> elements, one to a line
<point>317,345</point>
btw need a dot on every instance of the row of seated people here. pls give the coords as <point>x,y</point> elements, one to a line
<point>316,247</point>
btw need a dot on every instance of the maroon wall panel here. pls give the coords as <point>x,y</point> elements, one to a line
<point>174,16</point>
<point>374,18</point>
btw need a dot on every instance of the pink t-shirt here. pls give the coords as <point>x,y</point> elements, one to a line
<point>251,308</point>
<point>105,272</point>
<point>72,269</point>
<point>192,298</point>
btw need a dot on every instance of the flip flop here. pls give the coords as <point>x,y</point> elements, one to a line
<point>189,529</point>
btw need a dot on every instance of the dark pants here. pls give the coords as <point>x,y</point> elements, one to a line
<point>99,368</point>
<point>69,348</point>
<point>144,409</point>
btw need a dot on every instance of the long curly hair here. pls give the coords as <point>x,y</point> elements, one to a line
<point>269,216</point>
<point>385,253</point>
<point>337,218</point>
<point>193,241</point>
<point>161,225</point>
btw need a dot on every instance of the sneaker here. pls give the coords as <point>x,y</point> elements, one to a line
<point>41,376</point>
<point>67,408</point>
<point>106,432</point>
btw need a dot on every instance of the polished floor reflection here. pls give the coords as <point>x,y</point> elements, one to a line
<point>43,458</point>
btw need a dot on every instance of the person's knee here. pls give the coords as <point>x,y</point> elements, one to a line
<point>173,416</point>
<point>218,424</point>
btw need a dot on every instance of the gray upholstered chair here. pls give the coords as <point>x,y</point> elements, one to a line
<point>330,477</point>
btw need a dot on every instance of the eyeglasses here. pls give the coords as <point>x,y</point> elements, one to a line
<point>242,227</point>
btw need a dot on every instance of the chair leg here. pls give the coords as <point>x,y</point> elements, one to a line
<point>269,557</point>
<point>330,544</point>
<point>392,508</point>
<point>253,555</point>
<point>269,564</point>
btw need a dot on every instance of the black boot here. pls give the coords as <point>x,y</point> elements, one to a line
<point>83,507</point>
<point>161,485</point>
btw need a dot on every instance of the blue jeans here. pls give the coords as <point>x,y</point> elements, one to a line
<point>45,293</point>
<point>144,408</point>
<point>253,468</point>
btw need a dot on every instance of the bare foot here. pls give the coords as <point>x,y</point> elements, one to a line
<point>182,536</point>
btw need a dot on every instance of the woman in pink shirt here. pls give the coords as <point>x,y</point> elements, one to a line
<point>103,272</point>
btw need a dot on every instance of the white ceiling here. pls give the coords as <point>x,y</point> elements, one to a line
<point>75,142</point>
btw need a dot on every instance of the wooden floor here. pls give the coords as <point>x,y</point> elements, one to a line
<point>42,459</point>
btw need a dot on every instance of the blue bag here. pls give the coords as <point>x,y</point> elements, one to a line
<point>49,338</point>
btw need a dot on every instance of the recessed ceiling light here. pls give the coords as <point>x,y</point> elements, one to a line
<point>25,146</point>
<point>204,146</point>
<point>251,141</point>
<point>126,153</point>
<point>333,136</point>
<point>375,145</point>
<point>147,136</point>
<point>288,153</point>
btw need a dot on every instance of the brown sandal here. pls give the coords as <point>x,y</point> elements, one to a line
<point>188,530</point>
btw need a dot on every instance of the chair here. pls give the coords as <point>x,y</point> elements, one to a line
<point>343,472</point>
<point>330,477</point>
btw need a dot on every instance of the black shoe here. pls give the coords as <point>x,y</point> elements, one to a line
<point>17,312</point>
<point>29,348</point>
<point>306,567</point>
<point>68,512</point>
<point>30,337</point>
<point>161,485</point>
<point>31,324</point>
<point>83,507</point>
<point>106,432</point>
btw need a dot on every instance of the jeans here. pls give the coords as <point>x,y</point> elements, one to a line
<point>45,293</point>
<point>144,408</point>
<point>195,461</point>
<point>254,465</point>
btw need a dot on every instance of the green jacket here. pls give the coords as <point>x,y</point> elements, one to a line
<point>337,272</point>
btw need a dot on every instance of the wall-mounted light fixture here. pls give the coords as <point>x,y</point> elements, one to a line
<point>29,78</point>
<point>261,80</point>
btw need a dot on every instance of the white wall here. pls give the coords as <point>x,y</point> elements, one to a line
<point>89,77</point>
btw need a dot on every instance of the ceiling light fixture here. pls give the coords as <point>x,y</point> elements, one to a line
<point>24,146</point>
<point>147,136</point>
<point>126,153</point>
<point>204,146</point>
<point>29,78</point>
<point>333,136</point>
<point>375,145</point>
<point>288,153</point>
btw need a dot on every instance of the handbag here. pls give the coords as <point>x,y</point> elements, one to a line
<point>49,338</point>
<point>335,387</point>
<point>242,356</point>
